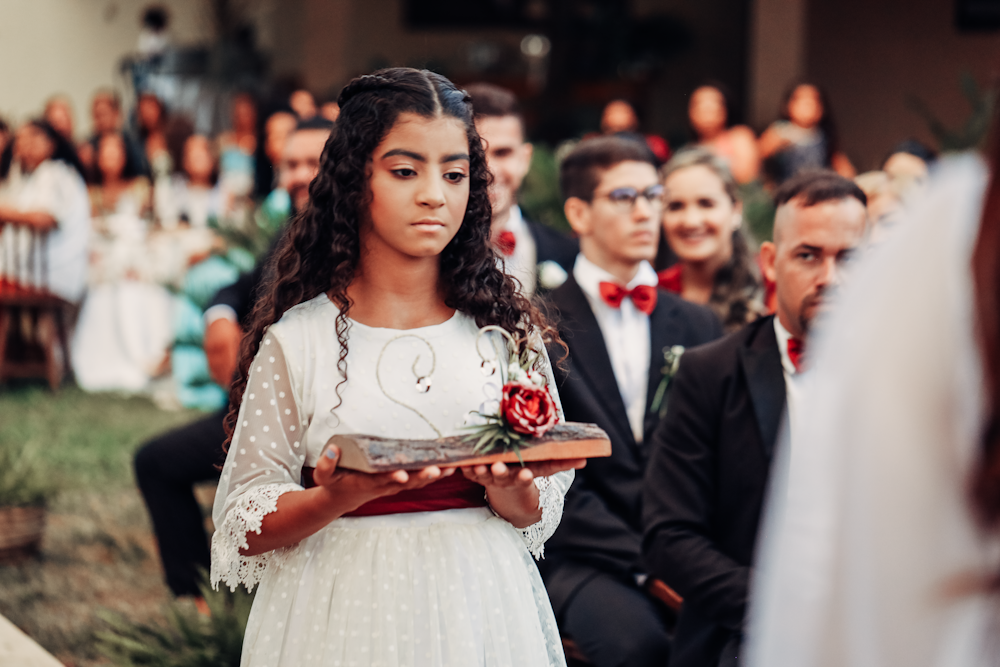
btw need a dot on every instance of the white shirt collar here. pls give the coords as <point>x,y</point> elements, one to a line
<point>515,222</point>
<point>590,276</point>
<point>783,336</point>
<point>625,331</point>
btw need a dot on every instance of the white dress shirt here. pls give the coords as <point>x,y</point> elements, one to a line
<point>57,189</point>
<point>793,379</point>
<point>626,335</point>
<point>523,262</point>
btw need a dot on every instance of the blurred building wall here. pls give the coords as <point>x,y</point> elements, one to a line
<point>341,39</point>
<point>338,39</point>
<point>777,55</point>
<point>871,56</point>
<point>717,52</point>
<point>72,47</point>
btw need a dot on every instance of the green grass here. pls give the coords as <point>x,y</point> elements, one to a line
<point>87,440</point>
<point>99,555</point>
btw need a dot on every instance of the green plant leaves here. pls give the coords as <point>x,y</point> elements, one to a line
<point>188,640</point>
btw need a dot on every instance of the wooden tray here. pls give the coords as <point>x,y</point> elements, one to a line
<point>369,453</point>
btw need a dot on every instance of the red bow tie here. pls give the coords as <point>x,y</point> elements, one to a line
<point>796,353</point>
<point>506,241</point>
<point>643,296</point>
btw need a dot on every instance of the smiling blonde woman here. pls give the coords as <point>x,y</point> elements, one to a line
<point>702,215</point>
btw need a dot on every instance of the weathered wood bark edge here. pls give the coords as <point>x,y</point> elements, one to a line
<point>370,453</point>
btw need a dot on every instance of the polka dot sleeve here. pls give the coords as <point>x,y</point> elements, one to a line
<point>265,460</point>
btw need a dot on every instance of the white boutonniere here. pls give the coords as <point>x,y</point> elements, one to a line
<point>551,275</point>
<point>671,362</point>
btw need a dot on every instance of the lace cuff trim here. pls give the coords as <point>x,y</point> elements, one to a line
<point>550,499</point>
<point>228,564</point>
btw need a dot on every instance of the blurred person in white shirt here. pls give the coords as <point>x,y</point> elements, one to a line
<point>44,192</point>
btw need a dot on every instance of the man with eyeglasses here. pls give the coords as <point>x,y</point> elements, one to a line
<point>710,458</point>
<point>618,327</point>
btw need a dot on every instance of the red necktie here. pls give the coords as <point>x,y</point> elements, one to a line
<point>643,296</point>
<point>505,242</point>
<point>796,353</point>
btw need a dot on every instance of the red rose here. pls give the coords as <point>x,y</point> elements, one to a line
<point>528,408</point>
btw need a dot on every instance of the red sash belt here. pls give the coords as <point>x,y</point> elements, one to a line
<point>448,493</point>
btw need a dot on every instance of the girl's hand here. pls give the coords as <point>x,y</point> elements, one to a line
<point>351,489</point>
<point>510,489</point>
<point>337,492</point>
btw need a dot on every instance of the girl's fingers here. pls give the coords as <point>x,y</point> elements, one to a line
<point>414,478</point>
<point>430,473</point>
<point>399,477</point>
<point>477,474</point>
<point>326,466</point>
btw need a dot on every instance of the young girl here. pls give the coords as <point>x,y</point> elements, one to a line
<point>370,324</point>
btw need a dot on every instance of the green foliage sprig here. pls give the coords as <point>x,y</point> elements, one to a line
<point>188,640</point>
<point>972,133</point>
<point>671,364</point>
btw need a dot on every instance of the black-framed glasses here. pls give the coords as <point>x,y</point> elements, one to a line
<point>626,197</point>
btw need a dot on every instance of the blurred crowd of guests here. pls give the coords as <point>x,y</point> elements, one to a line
<point>141,223</point>
<point>148,218</point>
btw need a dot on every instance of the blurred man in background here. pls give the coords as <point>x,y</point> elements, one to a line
<point>710,458</point>
<point>617,325</point>
<point>527,246</point>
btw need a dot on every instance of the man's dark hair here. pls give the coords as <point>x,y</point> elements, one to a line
<point>914,148</point>
<point>317,122</point>
<point>582,169</point>
<point>492,101</point>
<point>816,186</point>
<point>156,18</point>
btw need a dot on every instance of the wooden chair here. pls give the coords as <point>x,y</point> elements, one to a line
<point>33,320</point>
<point>655,588</point>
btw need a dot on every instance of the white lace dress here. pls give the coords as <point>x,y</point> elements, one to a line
<point>454,587</point>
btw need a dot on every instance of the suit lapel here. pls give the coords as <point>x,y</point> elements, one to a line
<point>766,382</point>
<point>664,330</point>
<point>588,349</point>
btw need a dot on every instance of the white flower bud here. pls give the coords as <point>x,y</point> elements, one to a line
<point>551,275</point>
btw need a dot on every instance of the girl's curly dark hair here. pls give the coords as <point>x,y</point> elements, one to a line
<point>320,248</point>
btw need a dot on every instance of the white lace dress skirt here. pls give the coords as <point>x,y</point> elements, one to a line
<point>453,587</point>
<point>448,588</point>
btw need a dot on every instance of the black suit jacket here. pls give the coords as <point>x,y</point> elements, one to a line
<point>601,527</point>
<point>242,294</point>
<point>706,482</point>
